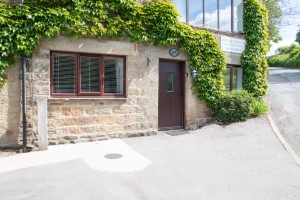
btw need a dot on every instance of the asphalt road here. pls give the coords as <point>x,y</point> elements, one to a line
<point>242,161</point>
<point>284,99</point>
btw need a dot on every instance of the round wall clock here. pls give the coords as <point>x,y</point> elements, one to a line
<point>174,52</point>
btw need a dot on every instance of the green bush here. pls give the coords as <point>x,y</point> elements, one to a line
<point>288,56</point>
<point>259,108</point>
<point>286,49</point>
<point>235,107</point>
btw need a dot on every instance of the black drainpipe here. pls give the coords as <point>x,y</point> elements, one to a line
<point>24,103</point>
<point>24,100</point>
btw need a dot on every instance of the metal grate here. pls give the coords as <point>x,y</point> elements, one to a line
<point>113,156</point>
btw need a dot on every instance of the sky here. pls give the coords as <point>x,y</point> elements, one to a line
<point>290,24</point>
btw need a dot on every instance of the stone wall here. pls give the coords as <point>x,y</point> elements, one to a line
<point>90,119</point>
<point>72,120</point>
<point>10,108</point>
<point>197,114</point>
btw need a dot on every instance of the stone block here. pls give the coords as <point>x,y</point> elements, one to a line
<point>134,91</point>
<point>64,122</point>
<point>90,110</point>
<point>75,130</point>
<point>54,111</point>
<point>62,130</point>
<point>43,90</point>
<point>129,127</point>
<point>100,129</point>
<point>100,138</point>
<point>54,137</point>
<point>70,137</point>
<point>53,102</point>
<point>142,102</point>
<point>103,110</point>
<point>88,129</point>
<point>71,102</point>
<point>53,142</point>
<point>108,119</point>
<point>82,121</point>
<point>136,110</point>
<point>3,101</point>
<point>112,135</point>
<point>41,77</point>
<point>41,66</point>
<point>144,92</point>
<point>107,102</point>
<point>114,128</point>
<point>80,140</point>
<point>136,134</point>
<point>63,142</point>
<point>66,111</point>
<point>120,110</point>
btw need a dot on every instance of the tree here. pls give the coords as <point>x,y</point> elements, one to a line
<point>298,37</point>
<point>275,14</point>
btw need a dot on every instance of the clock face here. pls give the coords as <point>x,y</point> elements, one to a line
<point>174,52</point>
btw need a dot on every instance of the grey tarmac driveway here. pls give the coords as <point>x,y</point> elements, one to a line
<point>236,162</point>
<point>284,98</point>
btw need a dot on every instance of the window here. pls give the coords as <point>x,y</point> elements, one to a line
<point>195,10</point>
<point>79,74</point>
<point>225,15</point>
<point>233,78</point>
<point>113,75</point>
<point>181,7</point>
<point>211,13</point>
<point>238,23</point>
<point>170,81</point>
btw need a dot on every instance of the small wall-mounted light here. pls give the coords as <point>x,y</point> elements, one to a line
<point>194,73</point>
<point>148,61</point>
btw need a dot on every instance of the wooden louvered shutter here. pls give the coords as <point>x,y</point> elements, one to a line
<point>90,74</point>
<point>64,73</point>
<point>113,75</point>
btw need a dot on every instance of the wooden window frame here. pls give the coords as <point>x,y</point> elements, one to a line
<point>78,93</point>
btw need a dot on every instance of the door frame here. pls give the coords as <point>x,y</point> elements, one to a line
<point>183,72</point>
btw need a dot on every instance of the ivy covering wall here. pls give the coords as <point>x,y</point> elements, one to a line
<point>153,22</point>
<point>254,62</point>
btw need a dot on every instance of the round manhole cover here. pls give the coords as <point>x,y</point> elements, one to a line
<point>113,156</point>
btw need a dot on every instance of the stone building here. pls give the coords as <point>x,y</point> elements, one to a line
<point>134,90</point>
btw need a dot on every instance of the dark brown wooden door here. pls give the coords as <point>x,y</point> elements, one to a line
<point>170,97</point>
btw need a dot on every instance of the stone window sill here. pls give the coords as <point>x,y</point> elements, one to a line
<point>87,98</point>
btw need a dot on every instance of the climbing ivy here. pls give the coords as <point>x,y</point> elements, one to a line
<point>254,62</point>
<point>153,22</point>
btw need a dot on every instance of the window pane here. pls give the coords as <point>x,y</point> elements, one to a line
<point>211,14</point>
<point>237,77</point>
<point>90,74</point>
<point>195,12</point>
<point>227,79</point>
<point>64,73</point>
<point>238,16</point>
<point>225,15</point>
<point>113,75</point>
<point>181,7</point>
<point>170,81</point>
